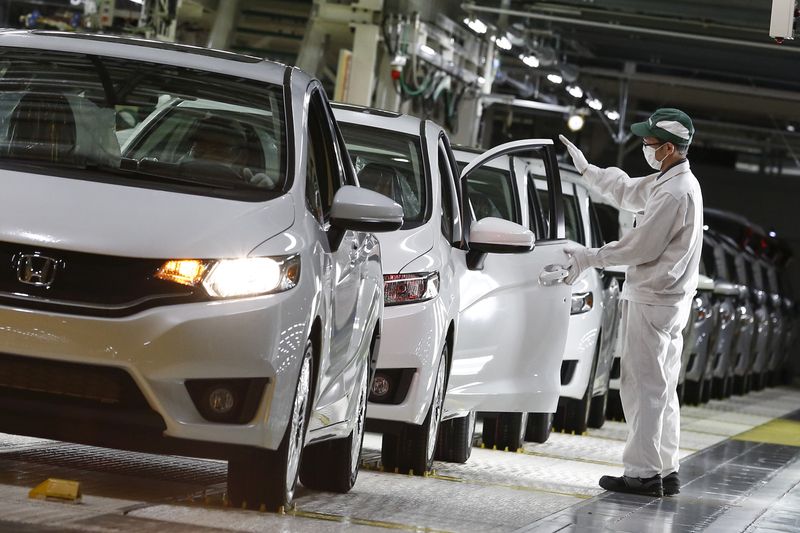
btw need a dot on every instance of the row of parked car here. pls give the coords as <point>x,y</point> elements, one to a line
<point>205,258</point>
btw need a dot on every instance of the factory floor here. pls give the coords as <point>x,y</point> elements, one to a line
<point>740,472</point>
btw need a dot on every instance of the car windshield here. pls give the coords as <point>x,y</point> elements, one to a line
<point>138,123</point>
<point>390,163</point>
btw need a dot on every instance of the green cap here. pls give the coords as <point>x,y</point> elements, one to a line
<point>667,124</point>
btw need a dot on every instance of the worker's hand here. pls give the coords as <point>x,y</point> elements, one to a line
<point>578,262</point>
<point>578,159</point>
<point>259,179</point>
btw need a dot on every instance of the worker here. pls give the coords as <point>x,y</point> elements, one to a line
<point>662,253</point>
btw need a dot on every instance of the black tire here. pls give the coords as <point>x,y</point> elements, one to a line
<point>706,396</point>
<point>572,416</point>
<point>757,381</point>
<point>454,444</point>
<point>614,409</point>
<point>259,477</point>
<point>597,411</point>
<point>412,450</point>
<point>538,427</point>
<point>739,385</point>
<point>504,431</point>
<point>718,388</point>
<point>333,465</point>
<point>693,392</point>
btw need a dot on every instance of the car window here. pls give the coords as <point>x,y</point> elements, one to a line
<point>597,232</point>
<point>140,123</point>
<point>446,180</point>
<point>572,220</point>
<point>491,193</point>
<point>390,163</point>
<point>323,164</point>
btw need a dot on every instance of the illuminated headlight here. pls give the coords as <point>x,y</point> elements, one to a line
<point>410,288</point>
<point>232,278</point>
<point>582,302</point>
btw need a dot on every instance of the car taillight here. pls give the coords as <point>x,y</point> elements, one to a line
<point>410,288</point>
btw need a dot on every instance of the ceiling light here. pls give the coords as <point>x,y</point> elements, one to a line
<point>427,49</point>
<point>612,115</point>
<point>503,43</point>
<point>575,122</point>
<point>773,234</point>
<point>575,91</point>
<point>476,25</point>
<point>790,128</point>
<point>531,61</point>
<point>555,78</point>
<point>594,103</point>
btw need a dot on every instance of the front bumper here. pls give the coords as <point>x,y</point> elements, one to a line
<point>160,349</point>
<point>413,336</point>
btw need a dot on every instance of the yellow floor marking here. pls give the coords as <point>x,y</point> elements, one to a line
<point>778,431</point>
<point>362,521</point>
<point>577,459</point>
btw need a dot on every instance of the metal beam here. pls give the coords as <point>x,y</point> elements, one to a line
<point>470,7</point>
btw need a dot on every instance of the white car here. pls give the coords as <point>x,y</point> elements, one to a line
<point>409,159</point>
<point>514,308</point>
<point>586,365</point>
<point>212,290</point>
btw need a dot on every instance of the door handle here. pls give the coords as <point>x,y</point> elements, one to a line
<point>552,274</point>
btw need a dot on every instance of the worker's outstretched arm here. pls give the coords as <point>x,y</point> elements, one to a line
<point>612,183</point>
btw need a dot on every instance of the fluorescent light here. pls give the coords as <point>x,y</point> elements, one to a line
<point>531,61</point>
<point>575,122</point>
<point>773,234</point>
<point>427,49</point>
<point>476,25</point>
<point>555,78</point>
<point>594,103</point>
<point>575,91</point>
<point>705,227</point>
<point>503,42</point>
<point>612,115</point>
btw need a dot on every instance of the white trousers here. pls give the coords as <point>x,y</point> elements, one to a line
<point>652,339</point>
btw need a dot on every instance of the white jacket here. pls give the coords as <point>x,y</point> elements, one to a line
<point>663,251</point>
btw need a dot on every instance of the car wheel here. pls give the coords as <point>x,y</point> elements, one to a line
<point>718,388</point>
<point>597,411</point>
<point>455,439</point>
<point>614,409</point>
<point>505,431</point>
<point>538,427</point>
<point>333,465</point>
<point>706,396</point>
<point>412,450</point>
<point>572,416</point>
<point>739,385</point>
<point>693,392</point>
<point>267,477</point>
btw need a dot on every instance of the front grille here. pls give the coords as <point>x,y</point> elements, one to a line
<point>87,284</point>
<point>61,381</point>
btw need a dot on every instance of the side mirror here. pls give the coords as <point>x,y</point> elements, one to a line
<point>492,235</point>
<point>359,209</point>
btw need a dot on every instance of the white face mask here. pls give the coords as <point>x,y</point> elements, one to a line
<point>650,156</point>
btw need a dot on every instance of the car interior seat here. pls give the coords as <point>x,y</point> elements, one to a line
<point>42,127</point>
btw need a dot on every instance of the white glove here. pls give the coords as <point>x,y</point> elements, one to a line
<point>578,262</point>
<point>578,159</point>
<point>259,179</point>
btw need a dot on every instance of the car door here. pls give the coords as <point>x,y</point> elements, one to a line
<point>341,263</point>
<point>514,311</point>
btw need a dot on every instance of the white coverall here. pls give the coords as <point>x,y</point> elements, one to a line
<point>663,256</point>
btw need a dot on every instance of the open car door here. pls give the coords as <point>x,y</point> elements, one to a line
<point>514,310</point>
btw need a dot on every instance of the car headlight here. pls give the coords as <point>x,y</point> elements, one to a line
<point>234,278</point>
<point>410,288</point>
<point>582,302</point>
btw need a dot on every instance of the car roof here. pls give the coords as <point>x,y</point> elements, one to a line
<point>147,50</point>
<point>376,118</point>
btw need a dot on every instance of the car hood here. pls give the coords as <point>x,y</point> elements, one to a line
<point>102,218</point>
<point>399,248</point>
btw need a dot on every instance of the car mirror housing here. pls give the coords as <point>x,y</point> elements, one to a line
<point>492,235</point>
<point>360,209</point>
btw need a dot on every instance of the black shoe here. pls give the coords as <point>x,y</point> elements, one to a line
<point>650,486</point>
<point>671,484</point>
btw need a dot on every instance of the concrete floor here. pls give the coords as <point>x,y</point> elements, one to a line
<point>538,489</point>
